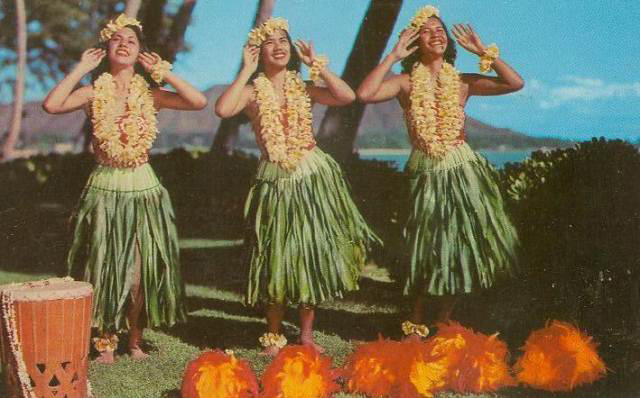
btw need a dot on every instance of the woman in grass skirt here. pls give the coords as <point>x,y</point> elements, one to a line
<point>458,236</point>
<point>308,240</point>
<point>125,242</point>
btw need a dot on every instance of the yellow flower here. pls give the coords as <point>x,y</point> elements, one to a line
<point>320,62</point>
<point>435,114</point>
<point>115,25</point>
<point>491,53</point>
<point>288,147</point>
<point>140,123</point>
<point>266,29</point>
<point>422,16</point>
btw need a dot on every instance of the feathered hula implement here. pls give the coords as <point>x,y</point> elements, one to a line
<point>558,358</point>
<point>372,368</point>
<point>422,372</point>
<point>216,374</point>
<point>475,362</point>
<point>299,372</point>
<point>387,368</point>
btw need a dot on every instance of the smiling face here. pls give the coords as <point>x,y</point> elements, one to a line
<point>276,50</point>
<point>433,38</point>
<point>124,47</point>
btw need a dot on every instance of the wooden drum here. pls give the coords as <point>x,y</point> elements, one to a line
<point>46,326</point>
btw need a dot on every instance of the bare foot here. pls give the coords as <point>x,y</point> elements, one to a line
<point>309,342</point>
<point>137,354</point>
<point>270,351</point>
<point>106,357</point>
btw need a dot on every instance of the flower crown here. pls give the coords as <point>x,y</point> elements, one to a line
<point>262,32</point>
<point>116,24</point>
<point>422,15</point>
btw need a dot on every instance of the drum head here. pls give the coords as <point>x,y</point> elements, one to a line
<point>48,289</point>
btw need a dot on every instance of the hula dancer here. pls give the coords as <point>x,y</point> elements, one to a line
<point>308,240</point>
<point>458,237</point>
<point>125,239</point>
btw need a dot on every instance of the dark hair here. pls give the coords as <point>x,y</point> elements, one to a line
<point>449,53</point>
<point>104,66</point>
<point>293,64</point>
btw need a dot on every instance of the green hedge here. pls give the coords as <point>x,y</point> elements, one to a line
<point>577,211</point>
<point>578,214</point>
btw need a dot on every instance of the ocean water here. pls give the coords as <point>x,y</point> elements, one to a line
<point>496,158</point>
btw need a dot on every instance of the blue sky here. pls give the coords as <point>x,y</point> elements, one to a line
<point>579,58</point>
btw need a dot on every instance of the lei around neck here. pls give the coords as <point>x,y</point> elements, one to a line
<point>435,115</point>
<point>285,145</point>
<point>125,142</point>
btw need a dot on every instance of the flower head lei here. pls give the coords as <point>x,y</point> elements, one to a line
<point>284,145</point>
<point>262,32</point>
<point>116,24</point>
<point>125,142</point>
<point>435,114</point>
<point>422,16</point>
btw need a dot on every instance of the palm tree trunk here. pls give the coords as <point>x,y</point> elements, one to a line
<point>339,127</point>
<point>153,22</point>
<point>225,137</point>
<point>175,40</point>
<point>8,148</point>
<point>132,7</point>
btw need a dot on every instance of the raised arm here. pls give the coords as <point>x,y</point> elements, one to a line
<point>63,98</point>
<point>186,97</point>
<point>236,97</point>
<point>507,79</point>
<point>375,88</point>
<point>337,92</point>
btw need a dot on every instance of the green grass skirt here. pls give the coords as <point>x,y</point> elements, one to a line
<point>307,239</point>
<point>459,238</point>
<point>121,209</point>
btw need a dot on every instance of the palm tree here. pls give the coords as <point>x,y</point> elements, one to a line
<point>8,149</point>
<point>175,40</point>
<point>339,127</point>
<point>132,7</point>
<point>228,129</point>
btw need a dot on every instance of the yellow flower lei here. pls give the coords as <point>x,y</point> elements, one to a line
<point>106,343</point>
<point>319,63</point>
<point>116,24</point>
<point>435,114</point>
<point>140,123</point>
<point>266,29</point>
<point>288,147</point>
<point>490,55</point>
<point>409,328</point>
<point>422,16</point>
<point>272,339</point>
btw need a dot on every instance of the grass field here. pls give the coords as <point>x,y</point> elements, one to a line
<point>218,319</point>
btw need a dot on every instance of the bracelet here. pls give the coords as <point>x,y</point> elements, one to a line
<point>106,343</point>
<point>491,53</point>
<point>409,328</point>
<point>320,62</point>
<point>159,70</point>
<point>273,339</point>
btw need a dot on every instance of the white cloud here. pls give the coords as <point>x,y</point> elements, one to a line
<point>587,89</point>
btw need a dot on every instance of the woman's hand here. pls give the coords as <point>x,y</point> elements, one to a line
<point>90,59</point>
<point>306,51</point>
<point>468,39</point>
<point>148,60</point>
<point>250,55</point>
<point>402,49</point>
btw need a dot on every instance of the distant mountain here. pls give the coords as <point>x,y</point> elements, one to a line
<point>382,127</point>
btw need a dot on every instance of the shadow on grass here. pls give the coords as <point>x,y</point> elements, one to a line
<point>35,240</point>
<point>213,330</point>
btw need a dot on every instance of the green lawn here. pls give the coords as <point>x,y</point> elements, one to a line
<point>218,319</point>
